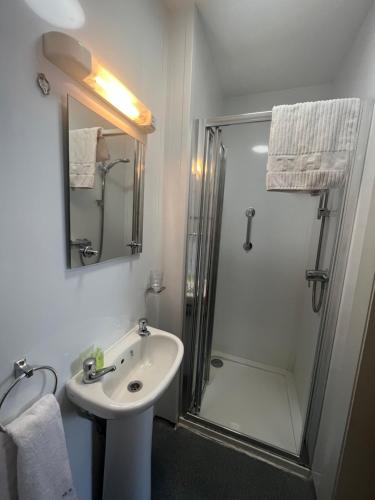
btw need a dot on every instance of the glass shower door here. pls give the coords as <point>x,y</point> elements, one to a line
<point>203,236</point>
<point>250,307</point>
<point>256,347</point>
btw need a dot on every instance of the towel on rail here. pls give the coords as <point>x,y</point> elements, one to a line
<point>43,470</point>
<point>8,468</point>
<point>311,143</point>
<point>86,147</point>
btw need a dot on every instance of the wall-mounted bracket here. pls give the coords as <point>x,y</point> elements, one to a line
<point>43,84</point>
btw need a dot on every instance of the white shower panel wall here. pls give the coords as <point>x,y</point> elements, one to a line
<point>260,292</point>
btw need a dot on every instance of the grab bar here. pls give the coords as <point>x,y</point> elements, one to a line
<point>23,370</point>
<point>249,214</point>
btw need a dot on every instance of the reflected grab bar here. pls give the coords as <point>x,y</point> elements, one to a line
<point>249,213</point>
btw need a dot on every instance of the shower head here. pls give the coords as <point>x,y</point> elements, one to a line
<point>107,167</point>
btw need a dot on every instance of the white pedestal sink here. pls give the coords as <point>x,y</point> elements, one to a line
<point>145,366</point>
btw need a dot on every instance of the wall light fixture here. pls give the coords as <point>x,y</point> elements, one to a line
<point>76,60</point>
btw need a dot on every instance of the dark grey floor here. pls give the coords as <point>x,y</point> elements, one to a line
<point>188,467</point>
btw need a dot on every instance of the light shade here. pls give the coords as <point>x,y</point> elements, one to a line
<point>67,14</point>
<point>76,60</point>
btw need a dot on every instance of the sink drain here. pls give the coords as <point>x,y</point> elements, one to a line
<point>216,362</point>
<point>135,386</point>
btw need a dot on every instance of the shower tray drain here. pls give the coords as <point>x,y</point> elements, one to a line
<point>217,363</point>
<point>135,386</point>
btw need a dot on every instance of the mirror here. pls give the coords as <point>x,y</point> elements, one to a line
<point>105,189</point>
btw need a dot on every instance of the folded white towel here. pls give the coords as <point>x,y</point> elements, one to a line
<point>310,144</point>
<point>82,156</point>
<point>8,468</point>
<point>43,470</point>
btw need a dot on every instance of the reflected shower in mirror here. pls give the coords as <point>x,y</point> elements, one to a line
<point>105,187</point>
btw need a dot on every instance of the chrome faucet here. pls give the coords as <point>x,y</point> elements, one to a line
<point>143,330</point>
<point>91,374</point>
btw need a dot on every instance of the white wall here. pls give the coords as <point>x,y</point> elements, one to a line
<point>358,287</point>
<point>264,101</point>
<point>47,312</point>
<point>193,92</point>
<point>356,78</point>
<point>206,93</point>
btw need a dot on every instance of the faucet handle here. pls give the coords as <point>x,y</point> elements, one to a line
<point>89,367</point>
<point>142,323</point>
<point>142,328</point>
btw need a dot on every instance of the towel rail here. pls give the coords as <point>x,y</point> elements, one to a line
<point>23,370</point>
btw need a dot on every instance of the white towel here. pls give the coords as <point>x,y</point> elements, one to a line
<point>310,144</point>
<point>43,470</point>
<point>82,156</point>
<point>8,468</point>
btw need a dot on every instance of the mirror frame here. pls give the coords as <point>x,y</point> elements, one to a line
<point>139,171</point>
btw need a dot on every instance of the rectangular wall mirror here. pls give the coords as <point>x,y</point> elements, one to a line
<point>105,179</point>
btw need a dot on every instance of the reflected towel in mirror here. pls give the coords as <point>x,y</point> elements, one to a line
<point>83,145</point>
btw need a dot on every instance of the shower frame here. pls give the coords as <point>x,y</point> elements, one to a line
<point>192,337</point>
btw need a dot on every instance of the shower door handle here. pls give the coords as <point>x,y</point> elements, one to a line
<point>249,213</point>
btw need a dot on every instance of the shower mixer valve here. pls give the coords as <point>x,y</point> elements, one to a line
<point>316,275</point>
<point>84,247</point>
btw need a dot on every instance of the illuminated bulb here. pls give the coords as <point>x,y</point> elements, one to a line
<point>261,149</point>
<point>118,97</point>
<point>112,90</point>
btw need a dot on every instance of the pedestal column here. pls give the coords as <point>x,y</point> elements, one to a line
<point>127,468</point>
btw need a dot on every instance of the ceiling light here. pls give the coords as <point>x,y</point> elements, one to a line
<point>260,148</point>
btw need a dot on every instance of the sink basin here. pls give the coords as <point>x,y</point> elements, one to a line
<point>145,366</point>
<point>149,363</point>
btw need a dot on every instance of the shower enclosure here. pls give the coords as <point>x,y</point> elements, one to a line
<point>264,272</point>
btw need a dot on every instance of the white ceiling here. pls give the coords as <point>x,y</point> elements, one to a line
<point>263,45</point>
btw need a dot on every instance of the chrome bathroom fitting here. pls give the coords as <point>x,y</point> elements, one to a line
<point>317,275</point>
<point>314,275</point>
<point>106,167</point>
<point>143,330</point>
<point>84,247</point>
<point>80,242</point>
<point>88,251</point>
<point>91,374</point>
<point>21,370</point>
<point>249,213</point>
<point>134,244</point>
<point>43,84</point>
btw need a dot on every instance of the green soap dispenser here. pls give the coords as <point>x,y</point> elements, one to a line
<point>99,356</point>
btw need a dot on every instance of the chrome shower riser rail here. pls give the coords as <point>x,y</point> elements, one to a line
<point>317,275</point>
<point>105,168</point>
